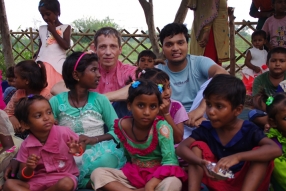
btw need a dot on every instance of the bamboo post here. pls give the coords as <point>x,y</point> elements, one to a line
<point>32,41</point>
<point>231,40</point>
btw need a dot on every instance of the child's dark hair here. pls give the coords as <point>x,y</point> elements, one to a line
<point>34,72</point>
<point>261,33</point>
<point>155,75</point>
<point>10,72</point>
<point>52,5</point>
<point>146,87</point>
<point>279,101</point>
<point>69,63</point>
<point>22,107</point>
<point>276,50</point>
<point>228,87</point>
<point>148,53</point>
<point>173,29</point>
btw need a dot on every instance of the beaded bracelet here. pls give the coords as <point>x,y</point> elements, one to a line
<point>80,152</point>
<point>27,177</point>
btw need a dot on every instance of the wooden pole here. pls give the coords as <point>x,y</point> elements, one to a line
<point>5,34</point>
<point>231,40</point>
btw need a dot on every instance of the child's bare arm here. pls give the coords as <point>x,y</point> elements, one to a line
<point>184,151</point>
<point>267,151</point>
<point>63,42</point>
<point>248,63</point>
<point>26,170</point>
<point>152,184</point>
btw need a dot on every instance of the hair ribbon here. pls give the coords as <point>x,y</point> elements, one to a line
<point>269,100</point>
<point>135,84</point>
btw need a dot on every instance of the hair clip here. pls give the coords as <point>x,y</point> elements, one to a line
<point>143,72</point>
<point>160,87</point>
<point>41,4</point>
<point>30,96</point>
<point>269,100</point>
<point>135,84</point>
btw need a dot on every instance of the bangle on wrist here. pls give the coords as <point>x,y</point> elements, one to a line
<point>165,114</point>
<point>80,152</point>
<point>27,177</point>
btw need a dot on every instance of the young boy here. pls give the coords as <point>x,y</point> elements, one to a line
<point>276,62</point>
<point>229,142</point>
<point>255,60</point>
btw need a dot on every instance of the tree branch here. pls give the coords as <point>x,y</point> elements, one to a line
<point>182,12</point>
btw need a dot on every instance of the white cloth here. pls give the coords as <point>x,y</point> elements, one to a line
<point>51,52</point>
<point>258,58</point>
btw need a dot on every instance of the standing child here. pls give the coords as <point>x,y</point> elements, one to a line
<point>229,142</point>
<point>276,62</point>
<point>30,78</point>
<point>149,143</point>
<point>274,26</point>
<point>173,111</point>
<point>255,60</point>
<point>275,107</point>
<point>46,156</point>
<point>54,40</point>
<point>86,112</point>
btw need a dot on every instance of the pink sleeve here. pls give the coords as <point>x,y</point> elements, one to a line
<point>178,112</point>
<point>10,107</point>
<point>46,93</point>
<point>22,154</point>
<point>266,27</point>
<point>129,70</point>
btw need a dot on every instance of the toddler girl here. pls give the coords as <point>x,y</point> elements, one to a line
<point>255,60</point>
<point>54,40</point>
<point>46,155</point>
<point>148,141</point>
<point>275,108</point>
<point>86,112</point>
<point>30,78</point>
<point>173,111</point>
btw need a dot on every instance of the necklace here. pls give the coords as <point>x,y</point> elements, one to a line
<point>80,110</point>
<point>132,129</point>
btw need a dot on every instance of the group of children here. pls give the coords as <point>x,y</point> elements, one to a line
<point>72,135</point>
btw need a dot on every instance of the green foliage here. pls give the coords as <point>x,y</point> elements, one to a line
<point>84,24</point>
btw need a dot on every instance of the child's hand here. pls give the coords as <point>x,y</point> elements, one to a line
<point>257,69</point>
<point>74,146</point>
<point>164,107</point>
<point>199,121</point>
<point>226,162</point>
<point>266,128</point>
<point>16,124</point>
<point>52,26</point>
<point>204,164</point>
<point>32,161</point>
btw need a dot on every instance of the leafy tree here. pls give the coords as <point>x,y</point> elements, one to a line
<point>84,24</point>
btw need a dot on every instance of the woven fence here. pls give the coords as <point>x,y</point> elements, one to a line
<point>25,43</point>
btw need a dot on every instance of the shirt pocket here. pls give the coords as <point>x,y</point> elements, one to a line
<point>60,163</point>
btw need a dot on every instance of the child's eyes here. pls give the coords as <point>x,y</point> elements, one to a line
<point>153,106</point>
<point>37,116</point>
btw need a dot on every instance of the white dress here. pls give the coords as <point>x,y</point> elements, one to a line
<point>50,51</point>
<point>259,58</point>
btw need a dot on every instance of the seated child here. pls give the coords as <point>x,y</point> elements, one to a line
<point>276,62</point>
<point>9,144</point>
<point>173,111</point>
<point>255,60</point>
<point>148,140</point>
<point>275,108</point>
<point>229,142</point>
<point>9,91</point>
<point>46,155</point>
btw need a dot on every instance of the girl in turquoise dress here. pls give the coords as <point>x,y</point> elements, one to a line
<point>275,108</point>
<point>149,145</point>
<point>86,113</point>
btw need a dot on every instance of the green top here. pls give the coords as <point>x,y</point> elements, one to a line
<point>88,120</point>
<point>262,81</point>
<point>158,149</point>
<point>279,172</point>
